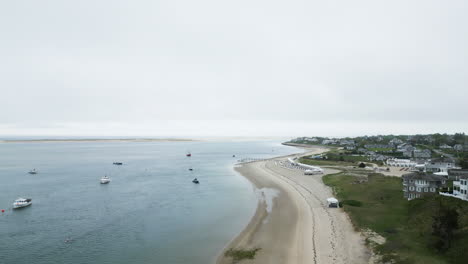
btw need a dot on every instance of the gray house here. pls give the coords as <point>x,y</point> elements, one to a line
<point>419,184</point>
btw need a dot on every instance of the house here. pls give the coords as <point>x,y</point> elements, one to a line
<point>377,146</point>
<point>460,184</point>
<point>350,147</point>
<point>420,184</point>
<point>329,142</point>
<point>458,147</point>
<point>445,146</point>
<point>439,165</point>
<point>406,149</point>
<point>422,154</point>
<point>377,157</point>
<point>395,142</point>
<point>345,142</point>
<point>404,163</point>
<point>362,150</point>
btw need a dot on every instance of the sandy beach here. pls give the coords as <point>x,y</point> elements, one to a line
<point>292,223</point>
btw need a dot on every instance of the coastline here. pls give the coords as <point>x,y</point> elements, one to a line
<point>295,226</point>
<point>96,140</point>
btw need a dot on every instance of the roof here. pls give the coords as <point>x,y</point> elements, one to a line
<point>442,160</point>
<point>458,172</point>
<point>423,176</point>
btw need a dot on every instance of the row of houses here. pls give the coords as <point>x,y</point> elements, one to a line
<point>434,165</point>
<point>421,184</point>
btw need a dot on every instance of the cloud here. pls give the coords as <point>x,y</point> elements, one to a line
<point>260,62</point>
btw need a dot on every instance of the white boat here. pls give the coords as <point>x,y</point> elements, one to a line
<point>33,171</point>
<point>21,202</point>
<point>105,180</point>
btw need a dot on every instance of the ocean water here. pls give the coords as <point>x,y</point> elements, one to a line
<point>151,212</point>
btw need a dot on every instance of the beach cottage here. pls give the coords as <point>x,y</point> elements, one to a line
<point>419,184</point>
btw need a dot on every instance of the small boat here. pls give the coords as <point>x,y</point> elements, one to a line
<point>188,154</point>
<point>33,171</point>
<point>21,202</point>
<point>190,169</point>
<point>105,180</point>
<point>117,163</point>
<point>233,156</point>
<point>195,181</point>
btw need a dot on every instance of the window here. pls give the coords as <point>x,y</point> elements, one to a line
<point>426,190</point>
<point>418,189</point>
<point>432,189</point>
<point>411,188</point>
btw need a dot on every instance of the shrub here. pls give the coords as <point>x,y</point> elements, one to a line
<point>240,254</point>
<point>351,203</point>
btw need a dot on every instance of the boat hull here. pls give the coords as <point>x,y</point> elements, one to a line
<point>19,206</point>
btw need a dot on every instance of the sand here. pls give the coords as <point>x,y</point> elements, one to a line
<point>295,225</point>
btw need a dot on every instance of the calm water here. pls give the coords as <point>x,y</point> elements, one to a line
<point>149,213</point>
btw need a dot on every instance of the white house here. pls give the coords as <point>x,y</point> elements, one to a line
<point>445,146</point>
<point>439,165</point>
<point>405,163</point>
<point>458,147</point>
<point>460,184</point>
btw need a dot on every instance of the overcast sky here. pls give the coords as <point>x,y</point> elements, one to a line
<point>237,68</point>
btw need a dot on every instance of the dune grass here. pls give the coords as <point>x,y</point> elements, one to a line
<point>406,225</point>
<point>241,254</point>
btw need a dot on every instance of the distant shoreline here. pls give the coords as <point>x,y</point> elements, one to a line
<point>97,140</point>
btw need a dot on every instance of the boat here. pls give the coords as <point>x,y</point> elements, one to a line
<point>105,180</point>
<point>21,202</point>
<point>195,181</point>
<point>33,171</point>
<point>117,163</point>
<point>188,154</point>
<point>190,169</point>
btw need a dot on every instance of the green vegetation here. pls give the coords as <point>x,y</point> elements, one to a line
<point>418,231</point>
<point>240,254</point>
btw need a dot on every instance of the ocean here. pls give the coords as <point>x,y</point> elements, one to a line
<point>151,212</point>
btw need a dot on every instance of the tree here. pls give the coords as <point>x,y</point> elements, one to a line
<point>444,223</point>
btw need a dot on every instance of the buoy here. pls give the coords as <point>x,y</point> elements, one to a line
<point>3,210</point>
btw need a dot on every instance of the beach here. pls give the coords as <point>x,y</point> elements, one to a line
<point>292,223</point>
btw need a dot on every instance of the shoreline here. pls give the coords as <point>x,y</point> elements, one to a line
<point>97,140</point>
<point>298,228</point>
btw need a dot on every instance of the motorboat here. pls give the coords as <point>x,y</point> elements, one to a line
<point>21,202</point>
<point>33,171</point>
<point>195,181</point>
<point>117,163</point>
<point>105,180</point>
<point>188,154</point>
<point>191,169</point>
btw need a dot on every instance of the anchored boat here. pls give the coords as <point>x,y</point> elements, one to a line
<point>21,202</point>
<point>105,180</point>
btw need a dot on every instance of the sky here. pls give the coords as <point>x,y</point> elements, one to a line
<point>187,68</point>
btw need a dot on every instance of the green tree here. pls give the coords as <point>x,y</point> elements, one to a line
<point>444,223</point>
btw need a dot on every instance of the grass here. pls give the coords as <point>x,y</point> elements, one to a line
<point>241,254</point>
<point>318,162</point>
<point>378,204</point>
